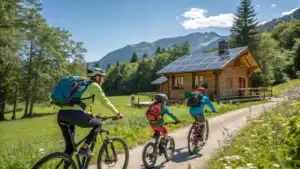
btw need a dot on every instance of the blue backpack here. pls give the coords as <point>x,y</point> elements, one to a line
<point>68,91</point>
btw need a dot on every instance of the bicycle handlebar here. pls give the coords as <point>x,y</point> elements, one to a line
<point>167,123</point>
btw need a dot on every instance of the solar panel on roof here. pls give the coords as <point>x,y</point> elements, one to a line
<point>201,62</point>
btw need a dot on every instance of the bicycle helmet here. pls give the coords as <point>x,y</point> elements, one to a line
<point>200,89</point>
<point>160,97</point>
<point>95,71</point>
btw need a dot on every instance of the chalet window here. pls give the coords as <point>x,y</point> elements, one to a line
<point>230,84</point>
<point>198,81</point>
<point>178,83</point>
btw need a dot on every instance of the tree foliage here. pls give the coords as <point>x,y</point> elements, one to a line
<point>134,58</point>
<point>33,55</point>
<point>244,30</point>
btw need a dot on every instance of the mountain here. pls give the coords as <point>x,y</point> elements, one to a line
<point>198,42</point>
<point>268,26</point>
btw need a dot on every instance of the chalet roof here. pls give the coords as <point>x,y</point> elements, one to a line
<point>199,61</point>
<point>160,80</point>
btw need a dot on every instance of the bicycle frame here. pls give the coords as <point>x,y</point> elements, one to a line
<point>84,163</point>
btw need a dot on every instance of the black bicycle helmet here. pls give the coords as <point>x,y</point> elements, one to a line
<point>160,97</point>
<point>91,72</point>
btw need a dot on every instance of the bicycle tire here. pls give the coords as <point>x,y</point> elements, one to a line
<point>206,130</point>
<point>172,143</point>
<point>102,152</point>
<point>55,155</point>
<point>189,138</point>
<point>150,144</point>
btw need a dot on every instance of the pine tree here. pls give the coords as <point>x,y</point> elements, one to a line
<point>163,50</point>
<point>118,63</point>
<point>244,30</point>
<point>158,50</point>
<point>108,66</point>
<point>134,58</point>
<point>145,55</point>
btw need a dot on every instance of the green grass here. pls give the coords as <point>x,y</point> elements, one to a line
<point>278,90</point>
<point>271,142</point>
<point>21,140</point>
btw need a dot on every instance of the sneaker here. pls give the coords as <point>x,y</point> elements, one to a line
<point>85,152</point>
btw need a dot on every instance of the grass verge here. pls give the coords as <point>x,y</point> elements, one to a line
<point>273,141</point>
<point>278,90</point>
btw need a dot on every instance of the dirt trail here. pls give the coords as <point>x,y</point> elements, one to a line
<point>232,121</point>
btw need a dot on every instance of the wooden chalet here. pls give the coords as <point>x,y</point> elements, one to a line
<point>225,73</point>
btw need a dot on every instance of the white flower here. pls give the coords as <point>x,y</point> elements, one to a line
<point>289,158</point>
<point>276,165</point>
<point>220,159</point>
<point>270,137</point>
<point>247,149</point>
<point>273,132</point>
<point>253,135</point>
<point>227,158</point>
<point>249,164</point>
<point>42,151</point>
<point>265,124</point>
<point>228,167</point>
<point>240,168</point>
<point>235,157</point>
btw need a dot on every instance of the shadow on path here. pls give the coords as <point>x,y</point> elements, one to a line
<point>180,156</point>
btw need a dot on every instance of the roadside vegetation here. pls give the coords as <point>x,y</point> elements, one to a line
<point>279,90</point>
<point>271,142</point>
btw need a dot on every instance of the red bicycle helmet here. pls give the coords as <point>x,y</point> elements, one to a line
<point>200,89</point>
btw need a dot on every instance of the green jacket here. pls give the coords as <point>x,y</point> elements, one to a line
<point>165,110</point>
<point>95,90</point>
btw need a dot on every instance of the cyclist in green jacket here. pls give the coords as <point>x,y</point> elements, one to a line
<point>79,115</point>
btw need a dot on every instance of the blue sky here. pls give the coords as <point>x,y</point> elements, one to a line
<point>106,25</point>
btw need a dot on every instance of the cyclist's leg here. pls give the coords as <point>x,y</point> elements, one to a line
<point>84,120</point>
<point>201,119</point>
<point>67,137</point>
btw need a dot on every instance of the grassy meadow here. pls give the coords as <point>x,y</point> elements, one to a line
<point>24,141</point>
<point>279,89</point>
<point>271,142</point>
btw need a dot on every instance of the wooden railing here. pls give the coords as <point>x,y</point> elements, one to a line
<point>246,92</point>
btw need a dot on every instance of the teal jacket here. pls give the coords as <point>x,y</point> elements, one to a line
<point>199,110</point>
<point>164,111</point>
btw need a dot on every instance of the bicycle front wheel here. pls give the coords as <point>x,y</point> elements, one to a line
<point>114,154</point>
<point>193,140</point>
<point>149,155</point>
<point>169,148</point>
<point>56,160</point>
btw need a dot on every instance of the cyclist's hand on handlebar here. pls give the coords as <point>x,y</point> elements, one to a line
<point>120,116</point>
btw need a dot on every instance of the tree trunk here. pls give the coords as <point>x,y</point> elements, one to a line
<point>28,81</point>
<point>2,97</point>
<point>15,103</point>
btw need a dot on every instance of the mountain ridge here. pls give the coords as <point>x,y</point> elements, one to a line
<point>199,41</point>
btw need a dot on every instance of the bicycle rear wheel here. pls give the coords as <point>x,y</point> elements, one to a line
<point>149,155</point>
<point>113,152</point>
<point>193,139</point>
<point>56,160</point>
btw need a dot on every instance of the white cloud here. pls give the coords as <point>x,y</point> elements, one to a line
<point>289,12</point>
<point>257,6</point>
<point>196,18</point>
<point>273,5</point>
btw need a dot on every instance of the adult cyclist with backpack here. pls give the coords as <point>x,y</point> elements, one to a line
<point>155,115</point>
<point>196,102</point>
<point>81,94</point>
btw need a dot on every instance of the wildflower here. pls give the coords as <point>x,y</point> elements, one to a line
<point>247,149</point>
<point>265,124</point>
<point>249,164</point>
<point>220,159</point>
<point>240,168</point>
<point>42,151</point>
<point>276,165</point>
<point>253,135</point>
<point>289,158</point>
<point>228,167</point>
<point>235,157</point>
<point>227,158</point>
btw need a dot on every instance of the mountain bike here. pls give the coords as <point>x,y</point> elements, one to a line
<point>150,157</point>
<point>108,154</point>
<point>195,140</point>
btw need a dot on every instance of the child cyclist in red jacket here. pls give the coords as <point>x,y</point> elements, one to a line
<point>156,113</point>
